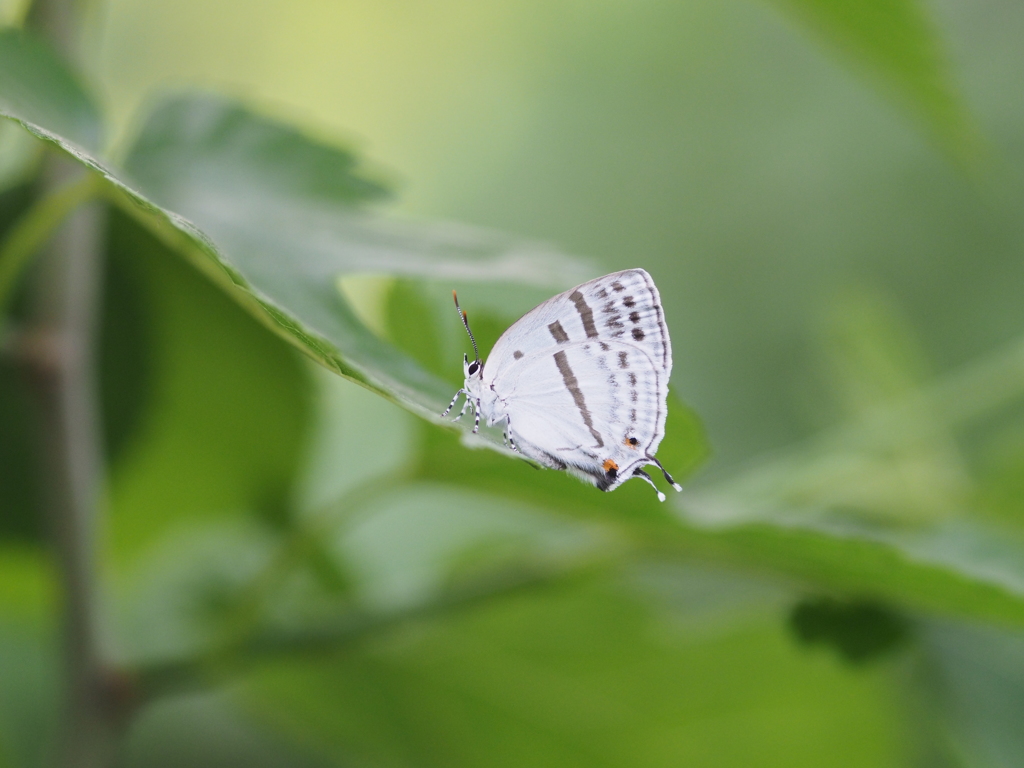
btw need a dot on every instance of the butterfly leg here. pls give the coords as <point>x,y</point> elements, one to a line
<point>644,476</point>
<point>476,415</point>
<point>465,405</point>
<point>508,434</point>
<point>664,471</point>
<point>452,403</point>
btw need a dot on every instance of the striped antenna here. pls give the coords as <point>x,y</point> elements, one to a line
<point>465,322</point>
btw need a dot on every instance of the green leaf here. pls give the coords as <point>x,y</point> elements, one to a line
<point>583,674</point>
<point>907,471</point>
<point>406,544</point>
<point>272,217</point>
<point>280,210</point>
<point>38,90</point>
<point>206,731</point>
<point>128,343</point>
<point>960,568</point>
<point>899,45</point>
<point>13,12</point>
<point>19,155</point>
<point>225,409</point>
<point>840,514</point>
<point>977,682</point>
<point>859,630</point>
<point>29,657</point>
<point>178,600</point>
<point>358,438</point>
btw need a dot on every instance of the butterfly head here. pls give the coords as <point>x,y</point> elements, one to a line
<point>473,369</point>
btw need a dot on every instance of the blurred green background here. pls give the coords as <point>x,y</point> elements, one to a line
<point>830,198</point>
<point>749,165</point>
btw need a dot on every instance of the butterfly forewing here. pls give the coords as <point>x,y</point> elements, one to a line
<point>623,307</point>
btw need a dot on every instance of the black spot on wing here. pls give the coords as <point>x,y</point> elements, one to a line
<point>517,354</point>
<point>634,317</point>
<point>624,363</point>
<point>618,287</point>
<point>638,334</point>
<point>628,302</point>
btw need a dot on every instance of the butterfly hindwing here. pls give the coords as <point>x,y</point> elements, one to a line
<point>594,408</point>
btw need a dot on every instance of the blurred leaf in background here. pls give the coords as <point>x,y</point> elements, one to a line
<point>19,503</point>
<point>897,43</point>
<point>29,656</point>
<point>18,155</point>
<point>298,571</point>
<point>226,406</point>
<point>978,679</point>
<point>579,674</point>
<point>37,87</point>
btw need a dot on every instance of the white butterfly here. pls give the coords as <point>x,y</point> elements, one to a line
<point>581,381</point>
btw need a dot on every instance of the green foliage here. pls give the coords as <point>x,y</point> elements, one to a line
<point>223,167</point>
<point>978,676</point>
<point>29,656</point>
<point>37,88</point>
<point>859,631</point>
<point>226,409</point>
<point>897,42</point>
<point>19,503</point>
<point>579,675</point>
<point>331,580</point>
<point>208,730</point>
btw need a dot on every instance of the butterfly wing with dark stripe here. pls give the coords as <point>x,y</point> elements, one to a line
<point>623,306</point>
<point>584,378</point>
<point>596,412</point>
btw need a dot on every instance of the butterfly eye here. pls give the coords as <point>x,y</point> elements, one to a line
<point>474,367</point>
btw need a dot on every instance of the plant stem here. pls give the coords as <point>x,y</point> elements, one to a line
<point>58,355</point>
<point>59,350</point>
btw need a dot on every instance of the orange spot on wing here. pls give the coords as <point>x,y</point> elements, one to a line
<point>609,465</point>
<point>631,442</point>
